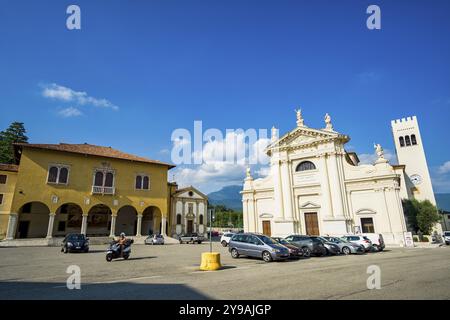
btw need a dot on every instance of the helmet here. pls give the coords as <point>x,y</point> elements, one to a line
<point>122,234</point>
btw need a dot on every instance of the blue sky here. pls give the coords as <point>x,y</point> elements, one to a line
<point>149,67</point>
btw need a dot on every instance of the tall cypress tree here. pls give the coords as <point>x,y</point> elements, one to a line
<point>15,133</point>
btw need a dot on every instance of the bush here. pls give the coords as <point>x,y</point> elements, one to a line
<point>425,239</point>
<point>415,239</point>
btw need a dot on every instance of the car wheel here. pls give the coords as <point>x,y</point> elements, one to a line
<point>109,257</point>
<point>346,250</point>
<point>126,257</point>
<point>306,252</point>
<point>224,243</point>
<point>376,247</point>
<point>327,252</point>
<point>86,250</point>
<point>234,254</point>
<point>199,242</point>
<point>267,257</point>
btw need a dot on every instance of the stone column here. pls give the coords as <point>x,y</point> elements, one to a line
<point>12,223</point>
<point>278,192</point>
<point>112,232</point>
<point>325,185</point>
<point>51,222</point>
<point>139,225</point>
<point>336,190</point>
<point>163,225</point>
<point>84,224</point>
<point>286,190</point>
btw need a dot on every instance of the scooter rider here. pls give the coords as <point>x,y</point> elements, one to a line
<point>122,240</point>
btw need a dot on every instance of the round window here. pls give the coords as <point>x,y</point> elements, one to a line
<point>191,193</point>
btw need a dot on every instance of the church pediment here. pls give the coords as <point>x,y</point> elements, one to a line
<point>309,205</point>
<point>304,136</point>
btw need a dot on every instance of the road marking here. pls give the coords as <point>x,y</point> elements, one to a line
<point>113,281</point>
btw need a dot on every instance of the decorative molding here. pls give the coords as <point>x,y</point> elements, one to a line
<point>309,205</point>
<point>365,211</point>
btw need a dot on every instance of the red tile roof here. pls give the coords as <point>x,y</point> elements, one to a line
<point>93,150</point>
<point>9,167</point>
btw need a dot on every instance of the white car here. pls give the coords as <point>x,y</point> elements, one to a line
<point>154,239</point>
<point>376,239</point>
<point>359,239</point>
<point>446,237</point>
<point>225,238</point>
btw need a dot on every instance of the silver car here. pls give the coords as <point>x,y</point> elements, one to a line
<point>345,246</point>
<point>257,245</point>
<point>154,239</point>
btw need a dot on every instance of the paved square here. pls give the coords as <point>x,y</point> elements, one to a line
<point>171,272</point>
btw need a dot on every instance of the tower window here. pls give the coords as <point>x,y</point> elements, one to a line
<point>305,165</point>
<point>413,139</point>
<point>402,141</point>
<point>408,141</point>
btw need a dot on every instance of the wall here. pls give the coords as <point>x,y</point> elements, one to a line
<point>8,192</point>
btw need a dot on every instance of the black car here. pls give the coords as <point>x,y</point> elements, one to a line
<point>75,242</point>
<point>308,244</point>
<point>332,248</point>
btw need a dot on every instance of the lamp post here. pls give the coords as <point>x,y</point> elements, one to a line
<point>211,210</point>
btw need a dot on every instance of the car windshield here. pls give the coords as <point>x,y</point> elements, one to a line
<point>282,241</point>
<point>75,237</point>
<point>323,239</point>
<point>447,233</point>
<point>267,240</point>
<point>342,240</point>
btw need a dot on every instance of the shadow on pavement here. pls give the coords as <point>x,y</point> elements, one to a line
<point>17,290</point>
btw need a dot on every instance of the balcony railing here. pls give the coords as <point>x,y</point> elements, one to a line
<point>103,190</point>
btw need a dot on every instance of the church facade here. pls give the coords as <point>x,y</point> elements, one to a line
<point>316,187</point>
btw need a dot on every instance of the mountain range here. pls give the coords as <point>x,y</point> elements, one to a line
<point>228,196</point>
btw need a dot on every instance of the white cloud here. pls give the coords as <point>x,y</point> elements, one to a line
<point>224,162</point>
<point>57,92</point>
<point>445,168</point>
<point>263,171</point>
<point>164,151</point>
<point>370,158</point>
<point>70,112</point>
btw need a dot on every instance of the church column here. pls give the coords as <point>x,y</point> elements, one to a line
<point>51,222</point>
<point>335,184</point>
<point>138,225</point>
<point>286,190</point>
<point>12,223</point>
<point>325,186</point>
<point>112,232</point>
<point>278,192</point>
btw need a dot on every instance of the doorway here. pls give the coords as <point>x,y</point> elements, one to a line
<point>312,224</point>
<point>367,225</point>
<point>22,231</point>
<point>266,228</point>
<point>190,226</point>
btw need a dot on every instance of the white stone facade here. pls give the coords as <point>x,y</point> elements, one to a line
<point>188,212</point>
<point>316,187</point>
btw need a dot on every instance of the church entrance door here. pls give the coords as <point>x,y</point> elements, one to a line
<point>312,224</point>
<point>266,228</point>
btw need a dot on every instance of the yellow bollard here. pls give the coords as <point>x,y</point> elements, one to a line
<point>210,261</point>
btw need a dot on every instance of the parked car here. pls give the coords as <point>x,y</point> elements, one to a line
<point>294,252</point>
<point>359,239</point>
<point>75,242</point>
<point>307,244</point>
<point>332,249</point>
<point>154,239</point>
<point>191,238</point>
<point>225,239</point>
<point>257,245</point>
<point>376,239</point>
<point>446,237</point>
<point>345,246</point>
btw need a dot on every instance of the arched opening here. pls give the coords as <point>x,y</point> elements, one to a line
<point>402,141</point>
<point>126,221</point>
<point>407,140</point>
<point>99,221</point>
<point>413,139</point>
<point>305,166</point>
<point>151,221</point>
<point>33,220</point>
<point>68,219</point>
<point>178,218</point>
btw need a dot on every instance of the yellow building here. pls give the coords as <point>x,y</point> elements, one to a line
<point>99,191</point>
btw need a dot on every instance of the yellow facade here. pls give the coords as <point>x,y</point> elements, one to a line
<point>7,190</point>
<point>32,185</point>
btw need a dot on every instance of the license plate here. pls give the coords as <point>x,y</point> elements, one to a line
<point>78,247</point>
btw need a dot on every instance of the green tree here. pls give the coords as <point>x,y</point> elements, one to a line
<point>15,133</point>
<point>421,215</point>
